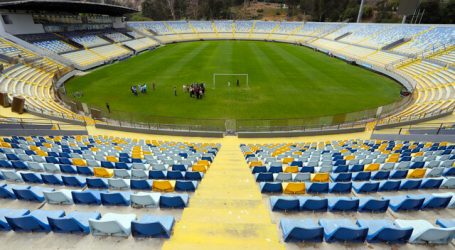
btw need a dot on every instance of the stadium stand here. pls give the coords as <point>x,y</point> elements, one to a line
<point>393,166</point>
<point>371,192</point>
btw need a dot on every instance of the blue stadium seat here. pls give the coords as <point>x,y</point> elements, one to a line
<point>315,204</point>
<point>36,221</point>
<point>74,222</point>
<point>301,230</point>
<point>284,203</point>
<point>385,231</point>
<point>153,226</point>
<point>343,230</point>
<point>88,197</point>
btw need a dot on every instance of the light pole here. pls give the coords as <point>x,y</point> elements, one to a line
<point>359,17</point>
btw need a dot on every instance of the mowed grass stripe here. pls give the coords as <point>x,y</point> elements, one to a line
<point>286,81</point>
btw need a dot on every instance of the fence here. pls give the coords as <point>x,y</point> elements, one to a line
<point>12,124</point>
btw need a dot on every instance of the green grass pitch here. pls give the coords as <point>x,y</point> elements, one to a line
<point>285,81</point>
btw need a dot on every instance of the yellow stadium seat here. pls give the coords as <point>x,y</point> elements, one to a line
<point>5,145</point>
<point>372,167</point>
<point>392,159</point>
<point>417,154</point>
<point>204,162</point>
<point>417,173</point>
<point>256,164</point>
<point>349,157</point>
<point>163,186</point>
<point>291,169</point>
<point>79,162</point>
<point>287,160</point>
<point>41,153</point>
<point>103,172</point>
<point>199,168</point>
<point>294,188</point>
<point>112,158</point>
<point>297,153</point>
<point>320,177</point>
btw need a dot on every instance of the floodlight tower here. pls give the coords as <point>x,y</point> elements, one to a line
<point>359,17</point>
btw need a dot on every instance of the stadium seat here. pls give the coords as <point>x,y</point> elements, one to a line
<point>145,199</point>
<point>141,184</point>
<point>174,200</point>
<point>35,221</point>
<point>424,232</point>
<point>74,222</point>
<point>385,231</point>
<point>103,172</point>
<point>315,204</point>
<point>343,230</point>
<point>112,224</point>
<point>320,177</point>
<point>163,186</point>
<point>365,187</point>
<point>340,187</point>
<point>88,197</point>
<point>115,198</point>
<point>367,204</point>
<point>294,188</point>
<point>28,193</point>
<point>5,212</point>
<point>282,203</point>
<point>153,226</point>
<point>99,183</point>
<point>60,197</point>
<point>405,202</point>
<point>343,204</point>
<point>301,230</point>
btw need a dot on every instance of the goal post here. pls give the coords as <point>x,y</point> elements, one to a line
<point>230,79</point>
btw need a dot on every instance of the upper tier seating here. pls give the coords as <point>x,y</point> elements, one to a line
<point>432,40</point>
<point>288,27</point>
<point>117,37</point>
<point>141,44</point>
<point>243,26</point>
<point>56,46</point>
<point>224,26</point>
<point>265,27</point>
<point>179,26</point>
<point>202,26</point>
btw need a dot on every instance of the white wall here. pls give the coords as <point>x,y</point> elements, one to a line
<point>21,24</point>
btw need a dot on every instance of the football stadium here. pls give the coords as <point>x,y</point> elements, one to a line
<point>273,131</point>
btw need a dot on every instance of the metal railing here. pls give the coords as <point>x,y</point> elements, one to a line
<point>416,118</point>
<point>11,123</point>
<point>429,128</point>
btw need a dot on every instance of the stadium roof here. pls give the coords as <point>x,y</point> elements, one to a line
<point>72,6</point>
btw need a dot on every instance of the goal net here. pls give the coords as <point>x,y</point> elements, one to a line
<point>230,80</point>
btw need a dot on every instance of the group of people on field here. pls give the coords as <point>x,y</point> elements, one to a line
<point>140,88</point>
<point>196,90</point>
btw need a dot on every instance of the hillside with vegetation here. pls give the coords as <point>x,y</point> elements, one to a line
<point>431,11</point>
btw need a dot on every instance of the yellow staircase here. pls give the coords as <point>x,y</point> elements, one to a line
<point>277,26</point>
<point>214,28</point>
<point>227,210</point>
<point>252,29</point>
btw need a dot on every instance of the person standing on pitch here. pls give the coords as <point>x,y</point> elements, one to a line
<point>108,107</point>
<point>238,83</point>
<point>175,91</point>
<point>153,86</point>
